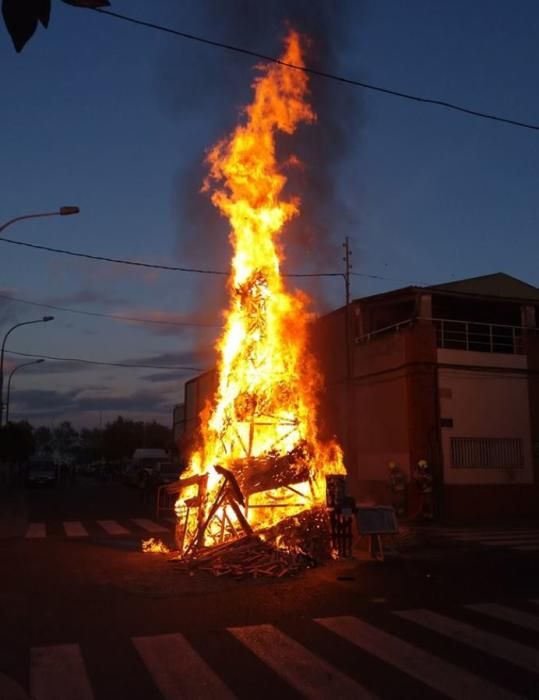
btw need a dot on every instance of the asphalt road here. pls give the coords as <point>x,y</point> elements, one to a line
<point>84,614</point>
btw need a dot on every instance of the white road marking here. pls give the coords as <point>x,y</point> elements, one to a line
<point>178,671</point>
<point>58,673</point>
<point>149,525</point>
<point>74,528</point>
<point>112,527</point>
<point>512,615</point>
<point>309,674</point>
<point>35,531</point>
<point>487,642</point>
<point>442,676</point>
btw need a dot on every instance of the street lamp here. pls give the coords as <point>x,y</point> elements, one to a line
<point>45,319</point>
<point>24,364</point>
<point>63,211</point>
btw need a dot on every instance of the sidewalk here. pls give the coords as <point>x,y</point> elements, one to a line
<point>13,515</point>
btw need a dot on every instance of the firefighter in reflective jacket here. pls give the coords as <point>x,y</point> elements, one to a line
<point>423,481</point>
<point>397,484</point>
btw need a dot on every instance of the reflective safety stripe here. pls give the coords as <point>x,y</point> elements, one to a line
<point>438,674</point>
<point>149,525</point>
<point>492,644</point>
<point>512,615</point>
<point>112,527</point>
<point>35,531</point>
<point>58,673</point>
<point>177,669</point>
<point>309,674</point>
<point>73,528</point>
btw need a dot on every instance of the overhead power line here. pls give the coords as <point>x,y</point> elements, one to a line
<point>324,74</point>
<point>168,268</point>
<point>389,279</point>
<point>113,317</point>
<point>153,266</point>
<point>81,360</point>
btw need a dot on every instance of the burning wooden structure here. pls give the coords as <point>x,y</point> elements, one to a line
<point>255,484</point>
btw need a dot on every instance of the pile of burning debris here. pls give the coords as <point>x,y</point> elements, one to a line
<point>289,546</point>
<point>296,543</point>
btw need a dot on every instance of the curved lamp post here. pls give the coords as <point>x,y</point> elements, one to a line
<point>63,211</point>
<point>24,364</point>
<point>45,319</point>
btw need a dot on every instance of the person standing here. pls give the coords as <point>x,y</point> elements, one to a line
<point>398,485</point>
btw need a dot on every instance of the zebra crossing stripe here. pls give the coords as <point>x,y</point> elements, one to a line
<point>512,615</point>
<point>178,671</point>
<point>111,527</point>
<point>149,525</point>
<point>73,528</point>
<point>313,677</point>
<point>58,673</point>
<point>493,644</point>
<point>442,676</point>
<point>35,531</point>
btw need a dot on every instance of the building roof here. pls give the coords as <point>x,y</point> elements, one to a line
<point>496,285</point>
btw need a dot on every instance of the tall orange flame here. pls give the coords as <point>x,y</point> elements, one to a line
<point>266,399</point>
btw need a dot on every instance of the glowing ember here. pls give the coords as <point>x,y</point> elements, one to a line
<point>154,546</point>
<point>262,424</point>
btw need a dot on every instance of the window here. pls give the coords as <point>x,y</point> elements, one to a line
<point>490,453</point>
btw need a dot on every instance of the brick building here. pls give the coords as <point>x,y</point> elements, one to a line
<point>449,374</point>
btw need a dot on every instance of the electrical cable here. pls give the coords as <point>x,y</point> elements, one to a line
<point>82,360</point>
<point>153,266</point>
<point>323,74</point>
<point>113,317</point>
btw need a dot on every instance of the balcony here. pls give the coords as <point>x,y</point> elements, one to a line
<point>479,337</point>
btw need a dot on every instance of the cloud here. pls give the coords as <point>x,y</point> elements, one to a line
<point>196,359</point>
<point>171,323</point>
<point>42,404</point>
<point>54,366</point>
<point>86,296</point>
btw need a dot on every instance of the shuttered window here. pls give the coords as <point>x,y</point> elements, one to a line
<point>489,453</point>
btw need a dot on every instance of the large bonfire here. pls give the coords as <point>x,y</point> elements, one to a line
<point>259,461</point>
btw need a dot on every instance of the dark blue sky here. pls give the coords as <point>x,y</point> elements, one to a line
<point>116,118</point>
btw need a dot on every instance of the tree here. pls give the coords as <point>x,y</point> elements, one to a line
<point>90,445</point>
<point>22,16</point>
<point>43,440</point>
<point>122,437</point>
<point>16,442</point>
<point>65,441</point>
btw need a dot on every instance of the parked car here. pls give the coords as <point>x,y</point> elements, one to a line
<point>164,473</point>
<point>41,474</point>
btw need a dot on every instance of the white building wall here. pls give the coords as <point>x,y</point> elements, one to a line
<point>484,404</point>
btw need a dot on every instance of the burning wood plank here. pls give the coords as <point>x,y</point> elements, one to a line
<point>272,471</point>
<point>286,549</point>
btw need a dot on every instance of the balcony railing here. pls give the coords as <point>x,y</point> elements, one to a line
<point>474,336</point>
<point>479,337</point>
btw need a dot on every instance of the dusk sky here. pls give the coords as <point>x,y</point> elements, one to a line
<point>116,118</point>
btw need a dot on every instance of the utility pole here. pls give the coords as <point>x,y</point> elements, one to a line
<point>347,269</point>
<point>349,379</point>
